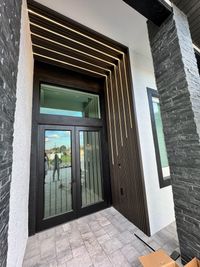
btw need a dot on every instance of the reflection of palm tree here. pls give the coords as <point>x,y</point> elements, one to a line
<point>56,166</point>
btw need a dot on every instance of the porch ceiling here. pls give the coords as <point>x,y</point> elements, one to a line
<point>192,10</point>
<point>158,10</point>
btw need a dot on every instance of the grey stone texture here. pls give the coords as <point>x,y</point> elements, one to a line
<point>103,239</point>
<point>10,14</point>
<point>178,83</point>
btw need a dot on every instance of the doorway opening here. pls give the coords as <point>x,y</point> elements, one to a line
<point>72,174</point>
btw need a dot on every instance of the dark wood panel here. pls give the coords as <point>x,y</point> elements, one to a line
<point>59,39</point>
<point>74,35</point>
<point>69,51</point>
<point>74,79</point>
<point>71,61</point>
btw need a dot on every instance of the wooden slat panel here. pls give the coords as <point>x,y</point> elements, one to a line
<point>74,25</point>
<point>62,40</point>
<point>49,53</point>
<point>68,51</point>
<point>75,36</point>
<point>53,62</point>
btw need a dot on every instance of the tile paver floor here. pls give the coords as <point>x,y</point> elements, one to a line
<point>102,239</point>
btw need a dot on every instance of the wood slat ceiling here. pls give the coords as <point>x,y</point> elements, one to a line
<point>192,9</point>
<point>63,41</point>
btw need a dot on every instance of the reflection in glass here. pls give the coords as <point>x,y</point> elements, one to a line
<point>57,166</point>
<point>56,100</point>
<point>161,140</point>
<point>90,162</point>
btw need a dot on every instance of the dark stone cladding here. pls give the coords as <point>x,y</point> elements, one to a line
<point>10,17</point>
<point>178,83</point>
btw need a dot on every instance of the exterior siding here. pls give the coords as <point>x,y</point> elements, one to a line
<point>10,11</point>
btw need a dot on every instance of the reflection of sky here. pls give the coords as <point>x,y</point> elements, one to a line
<point>58,138</point>
<point>53,111</point>
<point>156,107</point>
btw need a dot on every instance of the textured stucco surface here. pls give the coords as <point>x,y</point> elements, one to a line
<point>10,14</point>
<point>18,218</point>
<point>178,84</point>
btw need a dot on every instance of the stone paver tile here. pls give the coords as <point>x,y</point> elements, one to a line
<point>118,259</point>
<point>130,253</point>
<point>142,236</point>
<point>159,240</point>
<point>83,228</point>
<point>93,247</point>
<point>102,239</point>
<point>62,244</point>
<point>47,249</point>
<point>32,262</point>
<point>100,232</point>
<point>64,256</point>
<point>125,237</point>
<point>53,264</point>
<point>95,226</point>
<point>111,230</point>
<point>66,227</point>
<point>80,251</point>
<point>88,236</point>
<point>101,260</point>
<point>112,245</point>
<point>103,221</point>
<point>80,261</point>
<point>154,245</point>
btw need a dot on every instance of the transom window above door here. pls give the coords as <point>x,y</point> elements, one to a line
<point>55,100</point>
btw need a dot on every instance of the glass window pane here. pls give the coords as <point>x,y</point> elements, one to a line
<point>90,162</point>
<point>161,140</point>
<point>58,173</point>
<point>56,100</point>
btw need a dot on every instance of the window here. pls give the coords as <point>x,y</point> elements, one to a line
<point>55,100</point>
<point>159,140</point>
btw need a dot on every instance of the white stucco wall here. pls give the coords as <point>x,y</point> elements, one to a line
<point>160,201</point>
<point>120,22</point>
<point>18,220</point>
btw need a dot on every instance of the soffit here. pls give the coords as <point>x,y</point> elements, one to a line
<point>192,10</point>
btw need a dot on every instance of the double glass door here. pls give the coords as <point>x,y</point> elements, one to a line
<point>71,176</point>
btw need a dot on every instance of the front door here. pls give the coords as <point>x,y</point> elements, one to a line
<point>70,174</point>
<point>70,163</point>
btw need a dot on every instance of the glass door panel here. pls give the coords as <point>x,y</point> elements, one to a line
<point>58,173</point>
<point>90,167</point>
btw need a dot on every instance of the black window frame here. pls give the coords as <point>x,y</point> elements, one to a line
<point>152,93</point>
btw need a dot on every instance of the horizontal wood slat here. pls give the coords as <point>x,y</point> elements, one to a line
<point>36,7</point>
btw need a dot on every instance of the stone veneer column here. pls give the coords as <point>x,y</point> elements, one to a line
<point>178,84</point>
<point>10,16</point>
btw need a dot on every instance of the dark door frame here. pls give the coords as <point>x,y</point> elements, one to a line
<point>45,73</point>
<point>77,210</point>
